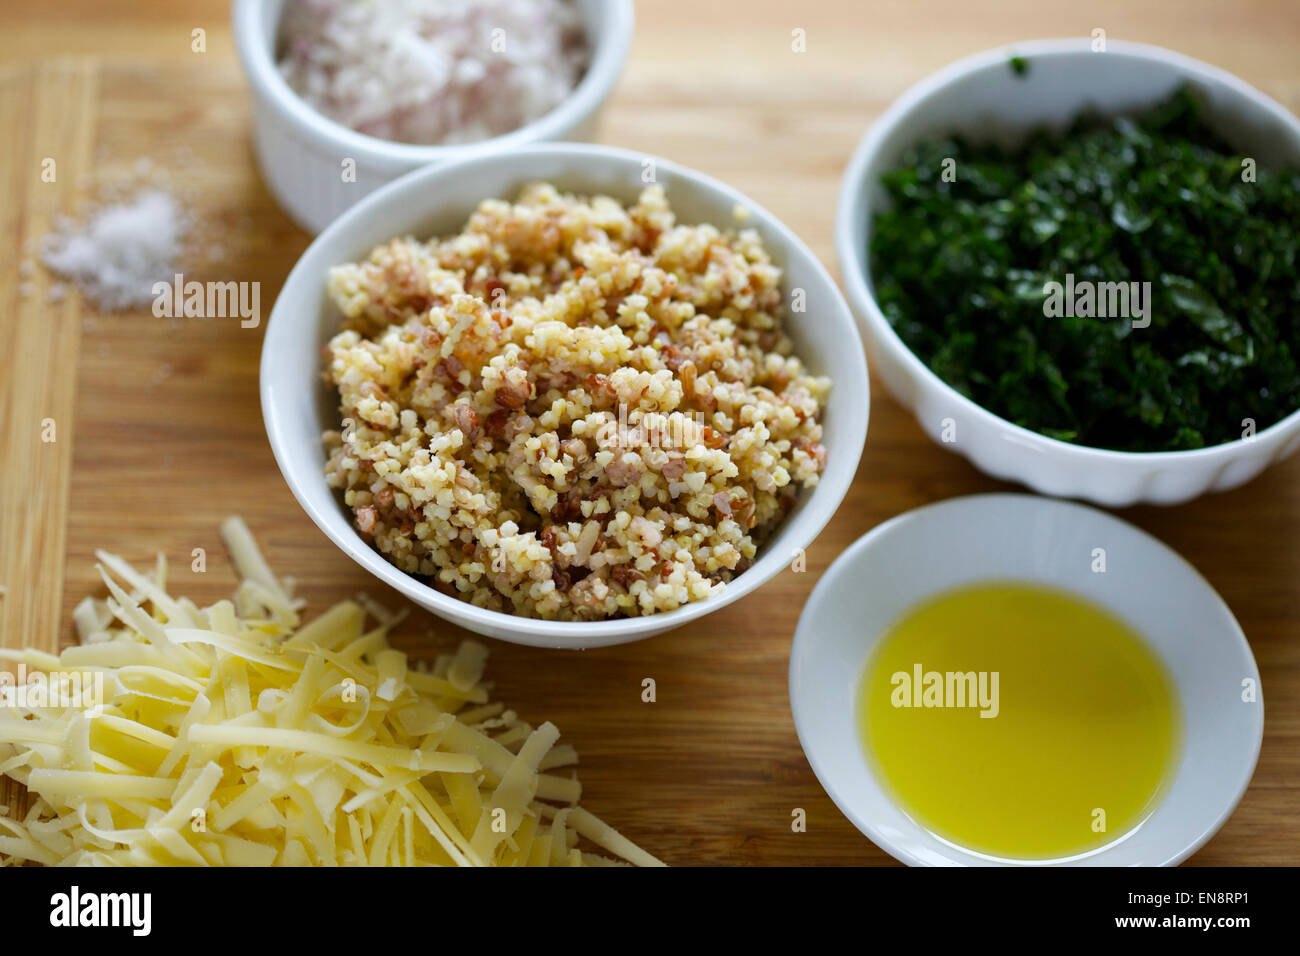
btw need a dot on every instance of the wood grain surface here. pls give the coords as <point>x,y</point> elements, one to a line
<point>159,431</point>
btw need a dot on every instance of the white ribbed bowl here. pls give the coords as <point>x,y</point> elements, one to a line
<point>298,406</point>
<point>301,152</point>
<point>982,95</point>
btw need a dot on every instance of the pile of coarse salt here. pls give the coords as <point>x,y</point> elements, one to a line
<point>432,71</point>
<point>117,254</point>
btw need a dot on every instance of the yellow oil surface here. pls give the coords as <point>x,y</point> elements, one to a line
<point>1082,731</point>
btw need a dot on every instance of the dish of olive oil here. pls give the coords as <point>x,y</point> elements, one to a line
<point>1019,721</point>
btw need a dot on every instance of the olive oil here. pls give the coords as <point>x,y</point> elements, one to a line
<point>1019,721</point>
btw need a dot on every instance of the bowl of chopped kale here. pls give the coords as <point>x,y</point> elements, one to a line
<point>1078,263</point>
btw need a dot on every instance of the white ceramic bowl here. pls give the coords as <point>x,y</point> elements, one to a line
<point>982,98</point>
<point>297,406</point>
<point>301,152</point>
<point>964,540</point>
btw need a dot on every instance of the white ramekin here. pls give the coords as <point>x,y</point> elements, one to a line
<point>298,406</point>
<point>302,153</point>
<point>982,95</point>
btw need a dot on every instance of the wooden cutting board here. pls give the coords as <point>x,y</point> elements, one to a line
<point>158,431</point>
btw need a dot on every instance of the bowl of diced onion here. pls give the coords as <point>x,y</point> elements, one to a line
<point>349,95</point>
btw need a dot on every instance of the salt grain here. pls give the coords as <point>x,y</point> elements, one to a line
<point>117,255</point>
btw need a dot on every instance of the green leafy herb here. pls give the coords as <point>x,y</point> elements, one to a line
<point>962,262</point>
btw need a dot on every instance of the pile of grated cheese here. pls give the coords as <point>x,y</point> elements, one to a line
<point>234,735</point>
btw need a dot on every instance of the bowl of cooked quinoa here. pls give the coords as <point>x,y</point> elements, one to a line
<point>572,396</point>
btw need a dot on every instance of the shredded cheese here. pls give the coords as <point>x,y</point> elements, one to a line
<point>234,735</point>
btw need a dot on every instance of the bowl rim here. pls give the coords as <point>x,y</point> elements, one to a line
<point>824,592</point>
<point>830,491</point>
<point>609,54</point>
<point>854,268</point>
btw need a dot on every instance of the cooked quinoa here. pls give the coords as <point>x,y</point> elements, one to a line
<point>571,410</point>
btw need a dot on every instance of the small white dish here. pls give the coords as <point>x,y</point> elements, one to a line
<point>982,97</point>
<point>297,406</point>
<point>1051,543</point>
<point>300,151</point>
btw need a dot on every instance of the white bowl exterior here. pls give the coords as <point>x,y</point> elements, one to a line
<point>976,96</point>
<point>436,200</point>
<point>964,540</point>
<point>300,153</point>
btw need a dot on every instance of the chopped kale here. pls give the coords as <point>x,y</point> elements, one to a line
<point>1154,218</point>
